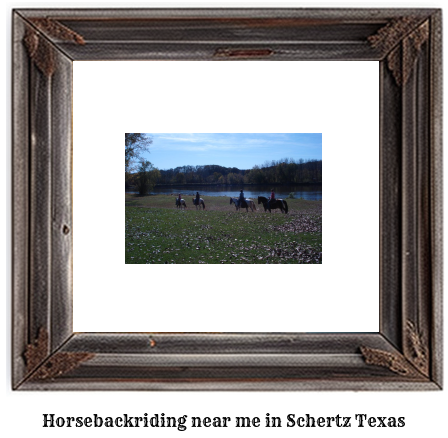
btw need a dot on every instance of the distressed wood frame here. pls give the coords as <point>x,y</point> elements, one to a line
<point>406,354</point>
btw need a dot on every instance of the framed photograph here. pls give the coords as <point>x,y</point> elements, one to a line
<point>51,353</point>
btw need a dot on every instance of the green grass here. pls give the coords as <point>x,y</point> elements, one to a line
<point>157,232</point>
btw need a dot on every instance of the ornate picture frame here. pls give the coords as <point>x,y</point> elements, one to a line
<point>406,353</point>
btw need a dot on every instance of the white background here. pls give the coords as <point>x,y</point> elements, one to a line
<point>341,295</point>
<point>22,412</point>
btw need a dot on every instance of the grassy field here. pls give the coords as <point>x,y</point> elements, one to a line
<point>158,232</point>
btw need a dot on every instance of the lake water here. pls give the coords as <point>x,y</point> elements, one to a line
<point>311,192</point>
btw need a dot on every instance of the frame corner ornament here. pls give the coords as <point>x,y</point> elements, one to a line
<point>417,348</point>
<point>41,366</point>
<point>37,351</point>
<point>40,50</point>
<point>395,362</point>
<point>412,363</point>
<point>401,40</point>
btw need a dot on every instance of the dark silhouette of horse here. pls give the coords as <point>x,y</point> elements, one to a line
<point>181,204</point>
<point>201,203</point>
<point>278,203</point>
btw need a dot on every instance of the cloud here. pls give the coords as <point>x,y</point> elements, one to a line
<point>175,139</point>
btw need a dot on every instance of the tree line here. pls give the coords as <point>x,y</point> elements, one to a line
<point>285,171</point>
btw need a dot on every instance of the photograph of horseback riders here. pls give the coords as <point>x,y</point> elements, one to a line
<point>223,198</point>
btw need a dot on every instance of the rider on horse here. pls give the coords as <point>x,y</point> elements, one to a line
<point>241,199</point>
<point>271,198</point>
<point>197,198</point>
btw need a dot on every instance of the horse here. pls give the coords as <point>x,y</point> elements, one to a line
<point>249,204</point>
<point>278,203</point>
<point>181,203</point>
<point>201,202</point>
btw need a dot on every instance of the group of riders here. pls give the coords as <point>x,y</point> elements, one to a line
<point>241,199</point>
<point>196,201</point>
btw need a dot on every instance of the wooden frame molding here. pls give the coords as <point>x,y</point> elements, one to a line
<point>406,353</point>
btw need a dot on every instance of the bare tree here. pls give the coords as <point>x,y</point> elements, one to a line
<point>135,145</point>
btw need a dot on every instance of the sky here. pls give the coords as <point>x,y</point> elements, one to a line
<point>243,151</point>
